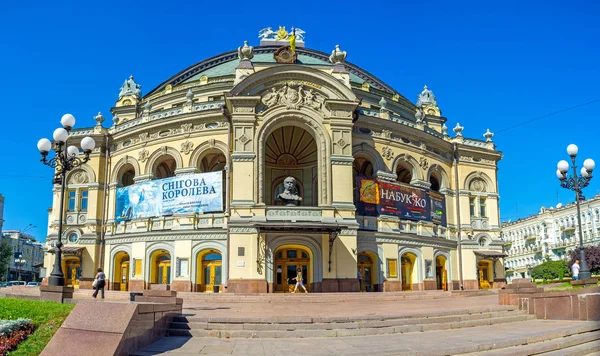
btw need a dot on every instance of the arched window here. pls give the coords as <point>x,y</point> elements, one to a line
<point>403,174</point>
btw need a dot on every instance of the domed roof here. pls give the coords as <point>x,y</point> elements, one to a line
<point>225,64</point>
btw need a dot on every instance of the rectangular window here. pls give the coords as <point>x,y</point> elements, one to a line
<point>472,205</point>
<point>84,200</point>
<point>392,266</point>
<point>71,203</point>
<point>482,207</point>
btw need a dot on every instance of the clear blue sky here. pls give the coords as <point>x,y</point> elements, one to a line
<point>491,65</point>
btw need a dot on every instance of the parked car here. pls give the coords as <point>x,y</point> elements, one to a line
<point>3,284</point>
<point>33,284</point>
<point>16,283</point>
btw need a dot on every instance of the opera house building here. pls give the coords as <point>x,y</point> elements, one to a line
<point>242,169</point>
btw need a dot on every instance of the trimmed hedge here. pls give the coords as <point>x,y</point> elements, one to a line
<point>551,270</point>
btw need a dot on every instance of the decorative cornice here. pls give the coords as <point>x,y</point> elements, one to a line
<point>243,230</point>
<point>243,157</point>
<point>342,160</point>
<point>150,237</point>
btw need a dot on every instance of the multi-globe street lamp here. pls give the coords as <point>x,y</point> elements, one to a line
<point>19,261</point>
<point>65,159</point>
<point>577,183</point>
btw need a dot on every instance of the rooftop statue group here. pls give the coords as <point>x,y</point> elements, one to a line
<point>290,195</point>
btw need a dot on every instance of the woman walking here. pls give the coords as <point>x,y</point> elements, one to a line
<point>100,283</point>
<point>298,279</point>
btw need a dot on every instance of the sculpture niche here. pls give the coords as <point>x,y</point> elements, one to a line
<point>290,195</point>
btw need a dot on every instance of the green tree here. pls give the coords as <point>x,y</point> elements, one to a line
<point>6,253</point>
<point>550,270</point>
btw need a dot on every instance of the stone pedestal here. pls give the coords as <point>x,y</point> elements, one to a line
<point>56,293</point>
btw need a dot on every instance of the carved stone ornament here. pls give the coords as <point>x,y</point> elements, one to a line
<point>477,185</point>
<point>383,103</point>
<point>458,130</point>
<point>187,147</point>
<point>130,87</point>
<point>245,52</point>
<point>100,119</point>
<point>337,55</point>
<point>285,54</point>
<point>387,153</point>
<point>293,95</point>
<point>79,177</point>
<point>426,97</point>
<point>281,34</point>
<point>488,135</point>
<point>423,163</point>
<point>143,155</point>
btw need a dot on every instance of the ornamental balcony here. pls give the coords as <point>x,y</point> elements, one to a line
<point>480,223</point>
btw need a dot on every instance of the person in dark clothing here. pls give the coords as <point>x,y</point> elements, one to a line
<point>100,283</point>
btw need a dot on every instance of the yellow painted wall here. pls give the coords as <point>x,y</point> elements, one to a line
<point>342,183</point>
<point>345,259</point>
<point>249,270</point>
<point>469,264</point>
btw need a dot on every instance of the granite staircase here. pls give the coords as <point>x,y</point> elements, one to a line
<point>338,326</point>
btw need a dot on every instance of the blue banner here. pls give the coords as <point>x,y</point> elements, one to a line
<point>191,193</point>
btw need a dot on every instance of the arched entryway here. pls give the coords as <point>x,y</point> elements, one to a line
<point>72,271</point>
<point>160,267</point>
<point>121,271</point>
<point>209,275</point>
<point>366,271</point>
<point>407,263</point>
<point>287,261</point>
<point>441,274</point>
<point>485,274</point>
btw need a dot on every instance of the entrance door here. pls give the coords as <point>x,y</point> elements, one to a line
<point>365,267</point>
<point>72,268</point>
<point>124,276</point>
<point>164,272</point>
<point>440,273</point>
<point>287,262</point>
<point>483,268</point>
<point>407,268</point>
<point>212,275</point>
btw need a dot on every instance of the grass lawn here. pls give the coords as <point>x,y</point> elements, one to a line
<point>46,316</point>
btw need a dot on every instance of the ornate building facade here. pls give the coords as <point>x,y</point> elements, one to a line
<point>552,234</point>
<point>27,257</point>
<point>257,117</point>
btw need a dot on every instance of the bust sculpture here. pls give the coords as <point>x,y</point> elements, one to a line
<point>290,195</point>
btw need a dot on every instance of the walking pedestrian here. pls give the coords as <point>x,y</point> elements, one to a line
<point>359,281</point>
<point>298,280</point>
<point>575,270</point>
<point>100,282</point>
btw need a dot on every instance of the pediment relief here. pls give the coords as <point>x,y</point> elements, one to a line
<point>293,95</point>
<point>263,81</point>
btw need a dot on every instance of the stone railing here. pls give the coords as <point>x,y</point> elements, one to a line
<point>480,223</point>
<point>76,217</point>
<point>294,213</point>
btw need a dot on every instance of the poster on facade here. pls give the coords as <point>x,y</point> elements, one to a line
<point>383,198</point>
<point>403,201</point>
<point>192,193</point>
<point>438,207</point>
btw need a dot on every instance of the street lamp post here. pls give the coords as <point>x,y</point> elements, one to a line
<point>577,183</point>
<point>66,158</point>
